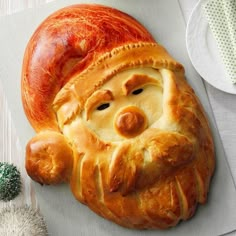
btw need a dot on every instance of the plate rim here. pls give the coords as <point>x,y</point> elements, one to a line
<point>201,22</point>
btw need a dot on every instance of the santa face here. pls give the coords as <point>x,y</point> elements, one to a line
<point>140,139</point>
<point>121,143</point>
<point>126,105</point>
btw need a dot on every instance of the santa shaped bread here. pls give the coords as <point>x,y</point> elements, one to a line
<point>115,118</point>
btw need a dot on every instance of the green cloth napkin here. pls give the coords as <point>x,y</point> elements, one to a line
<point>221,15</point>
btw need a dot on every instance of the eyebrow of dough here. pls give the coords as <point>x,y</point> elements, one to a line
<point>96,98</point>
<point>136,81</point>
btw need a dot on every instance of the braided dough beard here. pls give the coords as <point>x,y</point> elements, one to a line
<point>155,178</point>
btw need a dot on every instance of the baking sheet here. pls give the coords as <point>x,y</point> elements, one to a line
<point>63,214</point>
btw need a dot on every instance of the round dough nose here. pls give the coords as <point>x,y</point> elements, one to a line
<point>130,122</point>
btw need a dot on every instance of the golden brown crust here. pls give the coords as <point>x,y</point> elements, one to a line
<point>49,158</point>
<point>67,42</point>
<point>129,133</point>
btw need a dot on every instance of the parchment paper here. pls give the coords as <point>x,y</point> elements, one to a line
<point>63,214</point>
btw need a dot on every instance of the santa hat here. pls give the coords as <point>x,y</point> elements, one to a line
<point>72,46</point>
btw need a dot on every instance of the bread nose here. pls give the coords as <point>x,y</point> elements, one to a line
<point>130,122</point>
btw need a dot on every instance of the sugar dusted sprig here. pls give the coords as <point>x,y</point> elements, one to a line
<point>10,181</point>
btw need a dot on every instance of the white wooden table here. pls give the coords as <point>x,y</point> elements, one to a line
<point>223,104</point>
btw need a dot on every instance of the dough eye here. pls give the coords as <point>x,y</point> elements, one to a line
<point>103,106</point>
<point>137,91</point>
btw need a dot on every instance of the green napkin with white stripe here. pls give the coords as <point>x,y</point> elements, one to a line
<point>221,15</point>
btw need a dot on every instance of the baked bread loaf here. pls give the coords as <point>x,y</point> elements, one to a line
<point>115,117</point>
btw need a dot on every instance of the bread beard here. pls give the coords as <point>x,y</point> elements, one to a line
<point>126,131</point>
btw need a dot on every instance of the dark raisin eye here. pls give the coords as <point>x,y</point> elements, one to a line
<point>137,91</point>
<point>103,106</point>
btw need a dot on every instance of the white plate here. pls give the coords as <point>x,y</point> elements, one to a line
<point>203,51</point>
